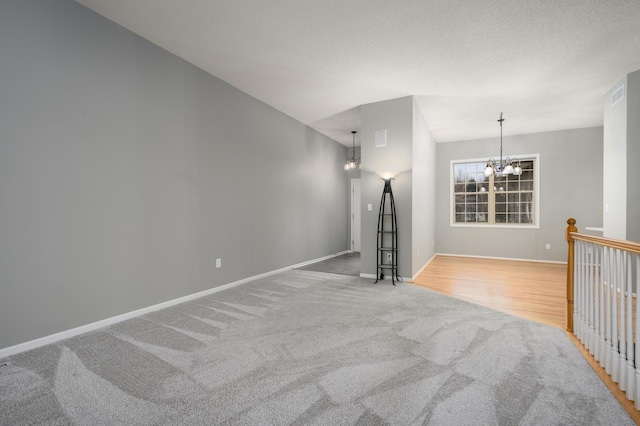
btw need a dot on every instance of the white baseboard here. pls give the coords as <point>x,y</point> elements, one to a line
<point>502,258</point>
<point>422,269</point>
<point>53,338</point>
<point>406,280</point>
<point>372,276</point>
<point>309,262</point>
<point>387,277</point>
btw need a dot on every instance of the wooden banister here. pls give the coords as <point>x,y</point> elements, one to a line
<point>629,246</point>
<point>604,272</point>
<point>571,231</point>
<point>572,235</point>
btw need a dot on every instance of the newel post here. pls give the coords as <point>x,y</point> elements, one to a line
<point>571,227</point>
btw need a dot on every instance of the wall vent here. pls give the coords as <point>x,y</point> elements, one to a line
<point>381,138</point>
<point>617,95</point>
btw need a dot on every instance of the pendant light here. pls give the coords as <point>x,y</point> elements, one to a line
<point>352,162</point>
<point>502,167</point>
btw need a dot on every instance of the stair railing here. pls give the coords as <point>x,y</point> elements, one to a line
<point>603,276</point>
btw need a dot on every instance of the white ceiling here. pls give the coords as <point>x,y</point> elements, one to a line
<point>545,63</point>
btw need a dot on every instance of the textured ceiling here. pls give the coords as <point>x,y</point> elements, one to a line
<point>545,63</point>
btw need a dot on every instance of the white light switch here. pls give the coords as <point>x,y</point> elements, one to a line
<point>369,207</point>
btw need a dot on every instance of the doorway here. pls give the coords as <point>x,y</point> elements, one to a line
<point>355,215</point>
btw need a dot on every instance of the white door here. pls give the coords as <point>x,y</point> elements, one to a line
<point>355,215</point>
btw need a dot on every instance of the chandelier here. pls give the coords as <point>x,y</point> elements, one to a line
<point>353,162</point>
<point>506,166</point>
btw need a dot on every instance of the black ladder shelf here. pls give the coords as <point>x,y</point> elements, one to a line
<point>387,259</point>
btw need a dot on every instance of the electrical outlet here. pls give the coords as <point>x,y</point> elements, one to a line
<point>218,263</point>
<point>389,256</point>
<point>548,246</point>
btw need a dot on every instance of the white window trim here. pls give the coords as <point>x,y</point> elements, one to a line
<point>536,194</point>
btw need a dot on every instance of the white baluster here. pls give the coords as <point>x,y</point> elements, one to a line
<point>578,301</point>
<point>583,295</point>
<point>576,289</point>
<point>629,369</point>
<point>608,365</point>
<point>623,321</point>
<point>590,299</point>
<point>599,304</point>
<point>615,358</point>
<point>637,339</point>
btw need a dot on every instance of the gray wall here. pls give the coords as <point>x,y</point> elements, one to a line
<point>351,174</point>
<point>424,192</point>
<point>621,197</point>
<point>395,160</point>
<point>633,157</point>
<point>570,186</point>
<point>615,165</point>
<point>125,172</point>
<point>410,158</point>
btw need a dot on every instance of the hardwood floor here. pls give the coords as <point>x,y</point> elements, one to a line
<point>532,290</point>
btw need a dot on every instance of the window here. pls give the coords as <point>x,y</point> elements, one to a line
<point>502,200</point>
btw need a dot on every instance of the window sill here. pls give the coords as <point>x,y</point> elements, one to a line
<point>493,226</point>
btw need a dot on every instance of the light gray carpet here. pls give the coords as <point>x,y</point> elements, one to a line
<point>315,349</point>
<point>345,264</point>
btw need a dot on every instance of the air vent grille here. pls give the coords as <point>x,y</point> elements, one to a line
<point>381,138</point>
<point>617,95</point>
